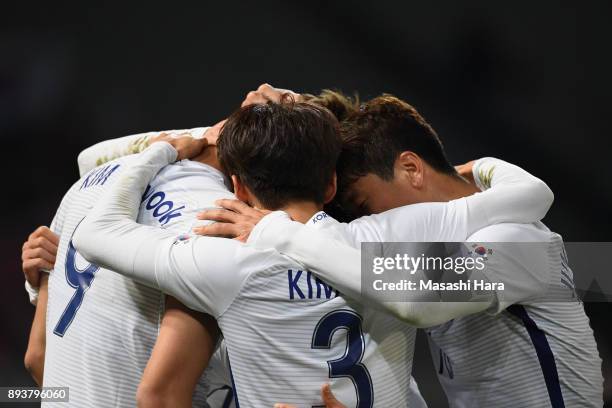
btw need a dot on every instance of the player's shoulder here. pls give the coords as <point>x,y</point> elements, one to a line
<point>513,232</point>
<point>408,222</point>
<point>230,254</point>
<point>268,260</point>
<point>191,178</point>
<point>96,178</point>
<point>99,176</point>
<point>329,225</point>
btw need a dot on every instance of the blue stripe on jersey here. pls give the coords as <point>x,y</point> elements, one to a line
<point>545,355</point>
<point>233,383</point>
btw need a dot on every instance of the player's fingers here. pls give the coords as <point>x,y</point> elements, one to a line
<point>254,97</point>
<point>212,134</point>
<point>219,215</point>
<point>284,406</point>
<point>36,253</point>
<point>262,211</point>
<point>328,397</point>
<point>49,235</point>
<point>218,229</point>
<point>36,264</point>
<point>32,269</point>
<point>243,237</point>
<point>237,206</point>
<point>273,95</point>
<point>45,243</point>
<point>192,148</point>
<point>42,231</point>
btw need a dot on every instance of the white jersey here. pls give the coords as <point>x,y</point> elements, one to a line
<point>509,351</point>
<point>280,323</point>
<point>527,352</point>
<point>101,326</point>
<point>286,332</point>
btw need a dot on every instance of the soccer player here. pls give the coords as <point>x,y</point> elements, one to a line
<point>526,348</point>
<point>179,326</point>
<point>101,331</point>
<point>280,156</point>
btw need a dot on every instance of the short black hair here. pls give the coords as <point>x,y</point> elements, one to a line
<point>281,152</point>
<point>374,137</point>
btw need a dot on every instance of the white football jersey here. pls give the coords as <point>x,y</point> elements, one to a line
<point>530,352</point>
<point>527,352</point>
<point>286,332</point>
<point>101,326</point>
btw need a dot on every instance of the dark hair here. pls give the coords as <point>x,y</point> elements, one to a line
<point>375,136</point>
<point>336,102</point>
<point>281,152</point>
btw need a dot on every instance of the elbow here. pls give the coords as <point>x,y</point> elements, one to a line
<point>543,198</point>
<point>34,362</point>
<point>409,314</point>
<point>420,322</point>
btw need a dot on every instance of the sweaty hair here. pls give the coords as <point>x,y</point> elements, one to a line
<point>336,102</point>
<point>281,152</point>
<point>378,133</point>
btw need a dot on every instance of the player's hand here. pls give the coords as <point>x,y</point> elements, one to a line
<point>212,134</point>
<point>234,220</point>
<point>465,171</point>
<point>38,253</point>
<point>267,93</point>
<point>186,146</point>
<point>328,397</point>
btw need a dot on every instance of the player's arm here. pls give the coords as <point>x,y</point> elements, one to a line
<point>340,264</point>
<point>38,258</point>
<point>183,348</point>
<point>112,149</point>
<point>510,195</point>
<point>193,270</point>
<point>34,359</point>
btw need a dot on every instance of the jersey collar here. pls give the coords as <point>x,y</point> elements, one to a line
<point>319,220</point>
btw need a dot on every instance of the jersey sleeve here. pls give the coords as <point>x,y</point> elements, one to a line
<point>340,264</point>
<point>511,195</point>
<point>182,266</point>
<point>112,149</point>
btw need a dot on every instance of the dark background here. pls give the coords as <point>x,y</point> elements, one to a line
<point>523,81</point>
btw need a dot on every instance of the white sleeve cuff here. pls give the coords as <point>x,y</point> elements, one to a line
<point>483,174</point>
<point>32,293</point>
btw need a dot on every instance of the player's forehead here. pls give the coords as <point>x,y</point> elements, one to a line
<point>354,197</point>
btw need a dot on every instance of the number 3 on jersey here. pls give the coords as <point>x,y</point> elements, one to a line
<point>81,280</point>
<point>349,365</point>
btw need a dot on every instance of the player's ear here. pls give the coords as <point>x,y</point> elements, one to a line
<point>242,192</point>
<point>410,168</point>
<point>240,189</point>
<point>332,189</point>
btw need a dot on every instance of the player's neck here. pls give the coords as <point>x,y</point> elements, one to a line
<point>302,211</point>
<point>447,187</point>
<point>209,157</point>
